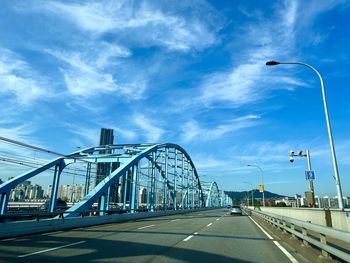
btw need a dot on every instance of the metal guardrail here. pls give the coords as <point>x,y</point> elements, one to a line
<point>301,229</point>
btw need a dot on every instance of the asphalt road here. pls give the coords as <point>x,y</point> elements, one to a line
<point>206,236</point>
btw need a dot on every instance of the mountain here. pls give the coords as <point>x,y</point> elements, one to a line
<point>243,195</point>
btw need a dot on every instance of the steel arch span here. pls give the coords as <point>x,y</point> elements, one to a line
<point>147,176</point>
<point>212,194</point>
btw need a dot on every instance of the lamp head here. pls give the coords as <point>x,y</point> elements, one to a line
<point>272,63</point>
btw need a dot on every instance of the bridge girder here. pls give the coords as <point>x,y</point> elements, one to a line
<point>168,164</point>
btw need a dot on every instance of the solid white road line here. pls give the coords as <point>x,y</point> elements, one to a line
<point>217,219</point>
<point>145,226</point>
<point>291,258</point>
<point>175,220</point>
<point>51,249</point>
<point>209,224</point>
<point>267,234</point>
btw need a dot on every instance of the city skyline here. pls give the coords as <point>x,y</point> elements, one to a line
<point>156,72</point>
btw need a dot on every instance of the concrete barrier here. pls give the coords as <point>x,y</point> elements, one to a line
<point>325,217</point>
<point>14,229</point>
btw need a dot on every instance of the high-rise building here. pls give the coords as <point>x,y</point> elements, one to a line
<point>26,191</point>
<point>103,169</point>
<point>49,191</point>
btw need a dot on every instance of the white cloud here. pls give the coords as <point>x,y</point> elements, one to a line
<point>127,134</point>
<point>192,131</point>
<point>207,162</point>
<point>90,135</point>
<point>20,133</point>
<point>248,81</point>
<point>17,78</point>
<point>87,75</point>
<point>145,23</point>
<point>151,130</point>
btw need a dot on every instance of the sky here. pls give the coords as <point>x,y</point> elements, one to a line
<point>187,72</point>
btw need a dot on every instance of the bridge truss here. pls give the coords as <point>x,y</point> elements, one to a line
<point>129,176</point>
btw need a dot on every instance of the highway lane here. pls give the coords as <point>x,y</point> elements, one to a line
<point>204,236</point>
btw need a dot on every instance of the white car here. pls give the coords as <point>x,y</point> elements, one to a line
<point>236,210</point>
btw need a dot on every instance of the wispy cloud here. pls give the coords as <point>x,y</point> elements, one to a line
<point>248,82</point>
<point>150,129</point>
<point>192,131</point>
<point>20,133</point>
<point>204,162</point>
<point>89,135</point>
<point>145,23</point>
<point>19,80</point>
<point>86,74</point>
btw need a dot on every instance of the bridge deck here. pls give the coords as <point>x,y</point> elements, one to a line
<point>206,236</point>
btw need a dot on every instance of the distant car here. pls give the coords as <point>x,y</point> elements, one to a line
<point>236,210</point>
<point>228,206</point>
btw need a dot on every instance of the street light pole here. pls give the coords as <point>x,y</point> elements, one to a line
<point>251,185</point>
<point>262,180</point>
<point>330,136</point>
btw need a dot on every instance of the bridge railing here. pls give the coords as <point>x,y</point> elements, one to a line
<point>316,235</point>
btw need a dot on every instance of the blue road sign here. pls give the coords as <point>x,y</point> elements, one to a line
<point>310,175</point>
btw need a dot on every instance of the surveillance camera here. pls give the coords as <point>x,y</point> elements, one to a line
<point>291,152</point>
<point>291,159</point>
<point>300,153</point>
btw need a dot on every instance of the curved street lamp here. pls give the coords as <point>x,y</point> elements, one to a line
<point>334,159</point>
<point>262,180</point>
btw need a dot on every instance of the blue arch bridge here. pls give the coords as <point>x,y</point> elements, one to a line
<point>164,174</point>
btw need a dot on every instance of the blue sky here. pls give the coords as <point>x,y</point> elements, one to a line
<point>188,72</point>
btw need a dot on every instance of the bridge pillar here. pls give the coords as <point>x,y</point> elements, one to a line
<point>4,198</point>
<point>125,185</point>
<point>193,188</point>
<point>149,182</point>
<point>175,182</point>
<point>87,179</point>
<point>182,181</point>
<point>153,182</point>
<point>102,204</point>
<point>188,186</point>
<point>55,183</point>
<point>165,192</point>
<point>137,186</point>
<point>133,189</point>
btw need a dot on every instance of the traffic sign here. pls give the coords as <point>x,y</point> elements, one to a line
<point>310,175</point>
<point>261,188</point>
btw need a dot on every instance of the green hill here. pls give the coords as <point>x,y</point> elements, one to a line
<point>243,195</point>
